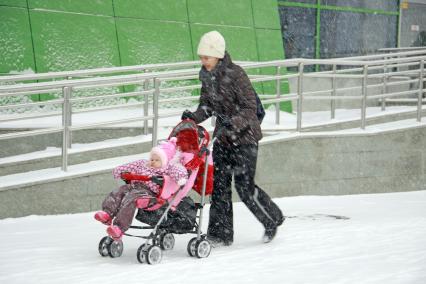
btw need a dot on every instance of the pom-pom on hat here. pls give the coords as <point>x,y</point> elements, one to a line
<point>166,151</point>
<point>212,44</point>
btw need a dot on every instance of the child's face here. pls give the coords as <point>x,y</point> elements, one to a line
<point>155,161</point>
<point>209,62</point>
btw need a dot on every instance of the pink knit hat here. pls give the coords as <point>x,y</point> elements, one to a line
<point>166,151</point>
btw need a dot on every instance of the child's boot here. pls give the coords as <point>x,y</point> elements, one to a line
<point>115,232</point>
<point>142,202</point>
<point>103,217</point>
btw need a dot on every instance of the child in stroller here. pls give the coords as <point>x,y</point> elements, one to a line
<point>170,211</point>
<point>119,206</point>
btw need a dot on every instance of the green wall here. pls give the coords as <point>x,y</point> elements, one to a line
<point>58,35</point>
<point>16,48</point>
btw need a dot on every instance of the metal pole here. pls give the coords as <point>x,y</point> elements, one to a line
<point>66,91</point>
<point>333,93</point>
<point>157,83</point>
<point>70,118</point>
<point>385,84</point>
<point>277,104</point>
<point>299,98</point>
<point>399,26</point>
<point>203,194</point>
<point>420,97</point>
<point>69,109</point>
<point>364,97</point>
<point>145,107</point>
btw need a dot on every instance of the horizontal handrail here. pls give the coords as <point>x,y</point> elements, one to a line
<point>140,78</point>
<point>180,88</point>
<point>179,99</point>
<point>342,98</point>
<point>31,133</point>
<point>30,92</point>
<point>375,67</point>
<point>118,95</point>
<point>394,94</point>
<point>112,122</point>
<point>100,71</point>
<point>147,67</point>
<point>408,48</point>
<point>382,66</point>
<point>13,106</point>
<point>285,98</point>
<point>29,116</point>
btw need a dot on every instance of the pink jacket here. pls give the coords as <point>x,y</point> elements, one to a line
<point>175,171</point>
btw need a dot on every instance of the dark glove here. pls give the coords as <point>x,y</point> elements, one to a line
<point>187,114</point>
<point>159,180</point>
<point>226,122</point>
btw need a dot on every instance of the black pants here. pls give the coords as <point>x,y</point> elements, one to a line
<point>239,161</point>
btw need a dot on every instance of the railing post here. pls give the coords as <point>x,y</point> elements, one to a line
<point>278,89</point>
<point>145,106</point>
<point>364,96</point>
<point>385,83</point>
<point>70,118</point>
<point>333,93</point>
<point>66,120</point>
<point>299,97</point>
<point>157,83</point>
<point>420,97</point>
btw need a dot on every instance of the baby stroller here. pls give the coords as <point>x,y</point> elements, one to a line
<point>173,212</point>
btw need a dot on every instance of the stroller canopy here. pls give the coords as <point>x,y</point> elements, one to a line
<point>191,137</point>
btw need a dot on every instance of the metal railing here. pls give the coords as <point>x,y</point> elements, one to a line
<point>363,69</point>
<point>95,72</point>
<point>399,49</point>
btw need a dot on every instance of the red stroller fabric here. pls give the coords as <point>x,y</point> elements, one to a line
<point>193,138</point>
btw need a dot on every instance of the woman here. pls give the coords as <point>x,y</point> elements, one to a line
<point>227,93</point>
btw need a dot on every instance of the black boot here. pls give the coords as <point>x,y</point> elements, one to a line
<point>216,242</point>
<point>271,232</point>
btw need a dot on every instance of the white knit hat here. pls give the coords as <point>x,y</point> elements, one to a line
<point>212,44</point>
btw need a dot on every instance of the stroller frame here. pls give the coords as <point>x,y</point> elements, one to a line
<point>161,238</point>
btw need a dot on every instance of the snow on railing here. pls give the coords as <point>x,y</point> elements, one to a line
<point>153,84</point>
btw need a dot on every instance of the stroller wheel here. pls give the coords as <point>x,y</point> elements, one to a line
<point>141,254</point>
<point>202,248</point>
<point>104,245</point>
<point>153,254</point>
<point>115,249</point>
<point>167,241</point>
<point>191,247</point>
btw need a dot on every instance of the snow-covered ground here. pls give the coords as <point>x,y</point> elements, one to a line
<point>381,241</point>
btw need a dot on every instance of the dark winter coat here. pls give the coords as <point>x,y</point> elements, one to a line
<point>228,94</point>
